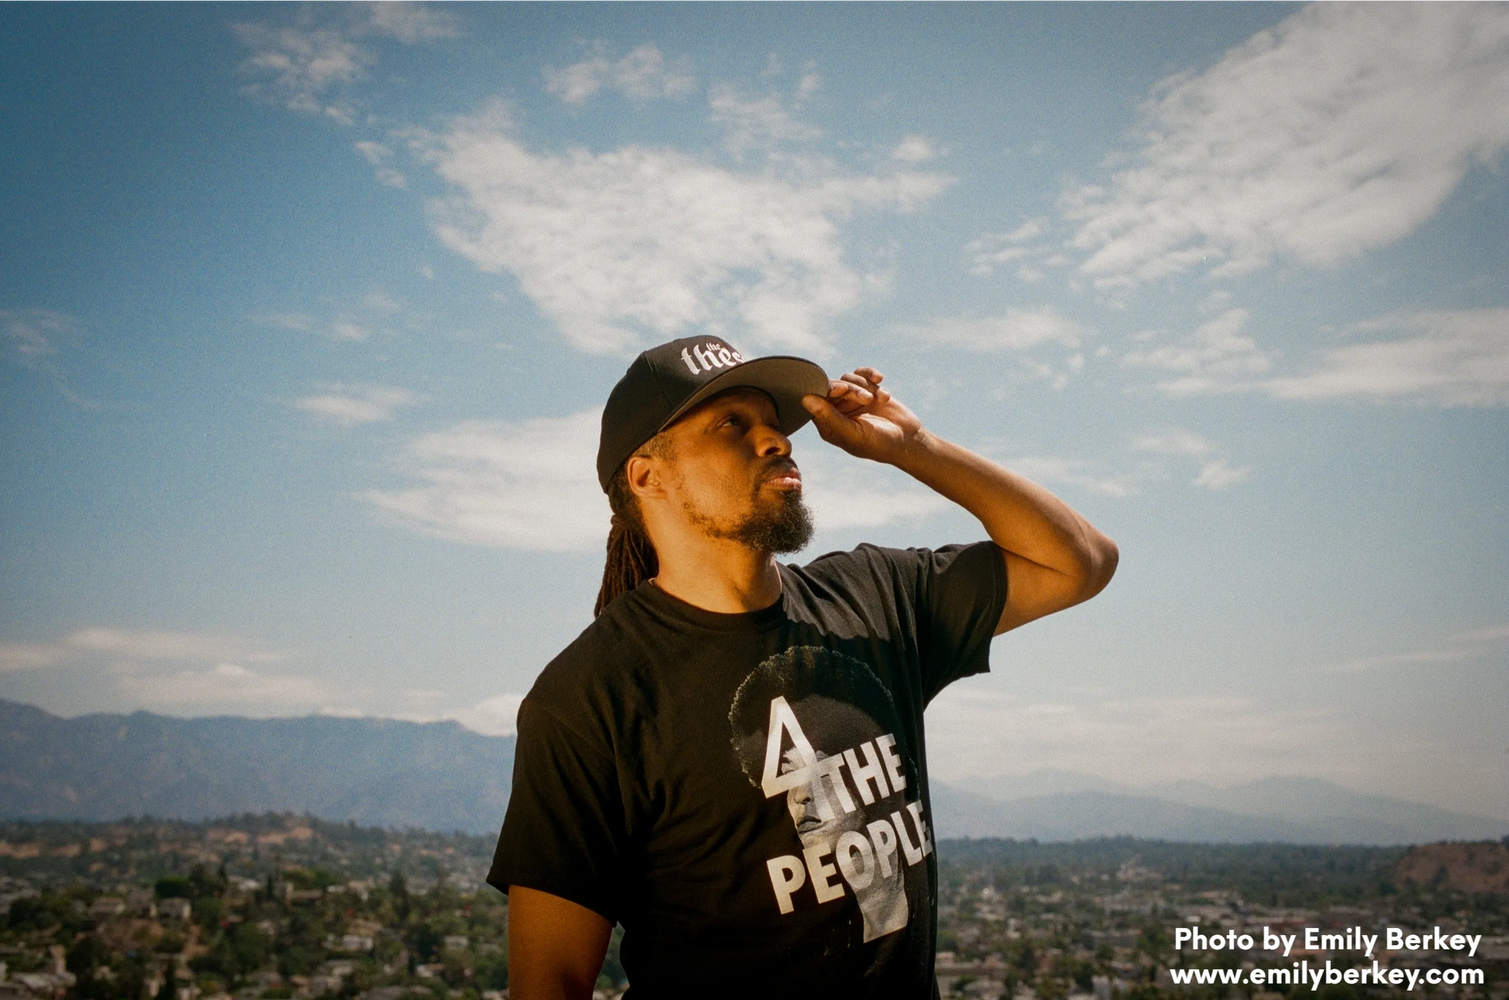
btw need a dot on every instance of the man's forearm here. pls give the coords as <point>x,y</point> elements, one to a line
<point>1021,517</point>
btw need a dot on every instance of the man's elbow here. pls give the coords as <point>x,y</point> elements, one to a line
<point>1098,566</point>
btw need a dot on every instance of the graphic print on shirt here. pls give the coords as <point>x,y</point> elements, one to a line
<point>819,728</point>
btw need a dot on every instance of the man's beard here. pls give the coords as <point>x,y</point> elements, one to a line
<point>778,528</point>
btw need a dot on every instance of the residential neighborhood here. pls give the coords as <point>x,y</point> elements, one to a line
<point>284,907</point>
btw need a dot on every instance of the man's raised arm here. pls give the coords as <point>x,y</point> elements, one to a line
<point>1054,557</point>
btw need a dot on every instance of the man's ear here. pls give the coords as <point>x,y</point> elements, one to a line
<point>645,475</point>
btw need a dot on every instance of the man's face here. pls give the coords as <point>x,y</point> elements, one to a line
<point>731,475</point>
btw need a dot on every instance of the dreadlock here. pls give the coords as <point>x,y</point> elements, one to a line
<point>631,554</point>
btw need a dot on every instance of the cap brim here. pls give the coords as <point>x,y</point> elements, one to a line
<point>786,379</point>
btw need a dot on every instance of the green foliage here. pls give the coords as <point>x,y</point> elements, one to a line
<point>174,887</point>
<point>36,913</point>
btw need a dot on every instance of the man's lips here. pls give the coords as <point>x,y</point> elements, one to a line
<point>785,477</point>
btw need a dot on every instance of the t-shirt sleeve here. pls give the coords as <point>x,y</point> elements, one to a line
<point>961,591</point>
<point>563,832</point>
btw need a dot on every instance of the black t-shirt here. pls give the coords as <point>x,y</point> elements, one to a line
<point>747,793</point>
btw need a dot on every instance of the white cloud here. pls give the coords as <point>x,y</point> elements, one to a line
<point>224,684</point>
<point>638,243</point>
<point>381,158</point>
<point>1174,442</point>
<point>136,644</point>
<point>526,485</point>
<point>1218,357</point>
<point>1023,332</point>
<point>1471,645</point>
<point>992,250</point>
<point>296,66</point>
<point>28,655</point>
<point>1016,330</point>
<point>349,405</point>
<point>887,496</point>
<point>915,149</point>
<point>1216,472</point>
<point>1341,129</point>
<point>1444,358</point>
<point>1053,470</point>
<point>972,730</point>
<point>165,669</point>
<point>33,333</point>
<point>495,716</point>
<point>1447,358</point>
<point>299,65</point>
<point>756,123</point>
<point>372,313</point>
<point>410,22</point>
<point>533,485</point>
<point>643,75</point>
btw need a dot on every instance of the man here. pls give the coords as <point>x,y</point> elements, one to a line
<point>730,760</point>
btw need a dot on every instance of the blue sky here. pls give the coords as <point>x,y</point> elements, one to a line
<point>307,312</point>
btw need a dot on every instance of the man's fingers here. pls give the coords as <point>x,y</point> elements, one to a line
<point>833,425</point>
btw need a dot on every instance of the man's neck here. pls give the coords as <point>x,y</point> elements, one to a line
<point>719,575</point>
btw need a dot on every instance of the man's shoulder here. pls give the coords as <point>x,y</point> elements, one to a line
<point>602,655</point>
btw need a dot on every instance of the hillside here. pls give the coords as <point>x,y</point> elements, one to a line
<point>379,772</point>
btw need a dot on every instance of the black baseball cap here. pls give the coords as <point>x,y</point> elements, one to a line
<point>666,381</point>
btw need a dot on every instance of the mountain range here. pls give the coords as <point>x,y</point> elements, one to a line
<point>377,772</point>
<point>442,776</point>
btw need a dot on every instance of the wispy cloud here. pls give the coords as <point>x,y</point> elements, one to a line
<point>1150,458</point>
<point>32,333</point>
<point>29,655</point>
<point>1021,332</point>
<point>1218,357</point>
<point>644,74</point>
<point>1470,645</point>
<point>758,123</point>
<point>828,477</point>
<point>165,669</point>
<point>374,312</point>
<point>381,158</point>
<point>137,644</point>
<point>1456,358</point>
<point>1216,471</point>
<point>994,250</point>
<point>1443,358</point>
<point>222,685</point>
<point>350,405</point>
<point>1056,470</point>
<point>533,485</point>
<point>1136,739</point>
<point>638,243</point>
<point>410,23</point>
<point>307,67</point>
<point>1341,129</point>
<point>527,485</point>
<point>915,149</point>
<point>495,716</point>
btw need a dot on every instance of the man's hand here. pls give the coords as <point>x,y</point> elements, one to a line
<point>862,418</point>
<point>1054,557</point>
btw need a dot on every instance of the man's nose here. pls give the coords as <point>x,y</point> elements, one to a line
<point>772,442</point>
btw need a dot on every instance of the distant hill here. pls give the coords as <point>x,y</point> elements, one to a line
<point>442,776</point>
<point>1063,805</point>
<point>1472,868</point>
<point>378,772</point>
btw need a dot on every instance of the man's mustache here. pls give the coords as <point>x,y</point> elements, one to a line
<point>780,465</point>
